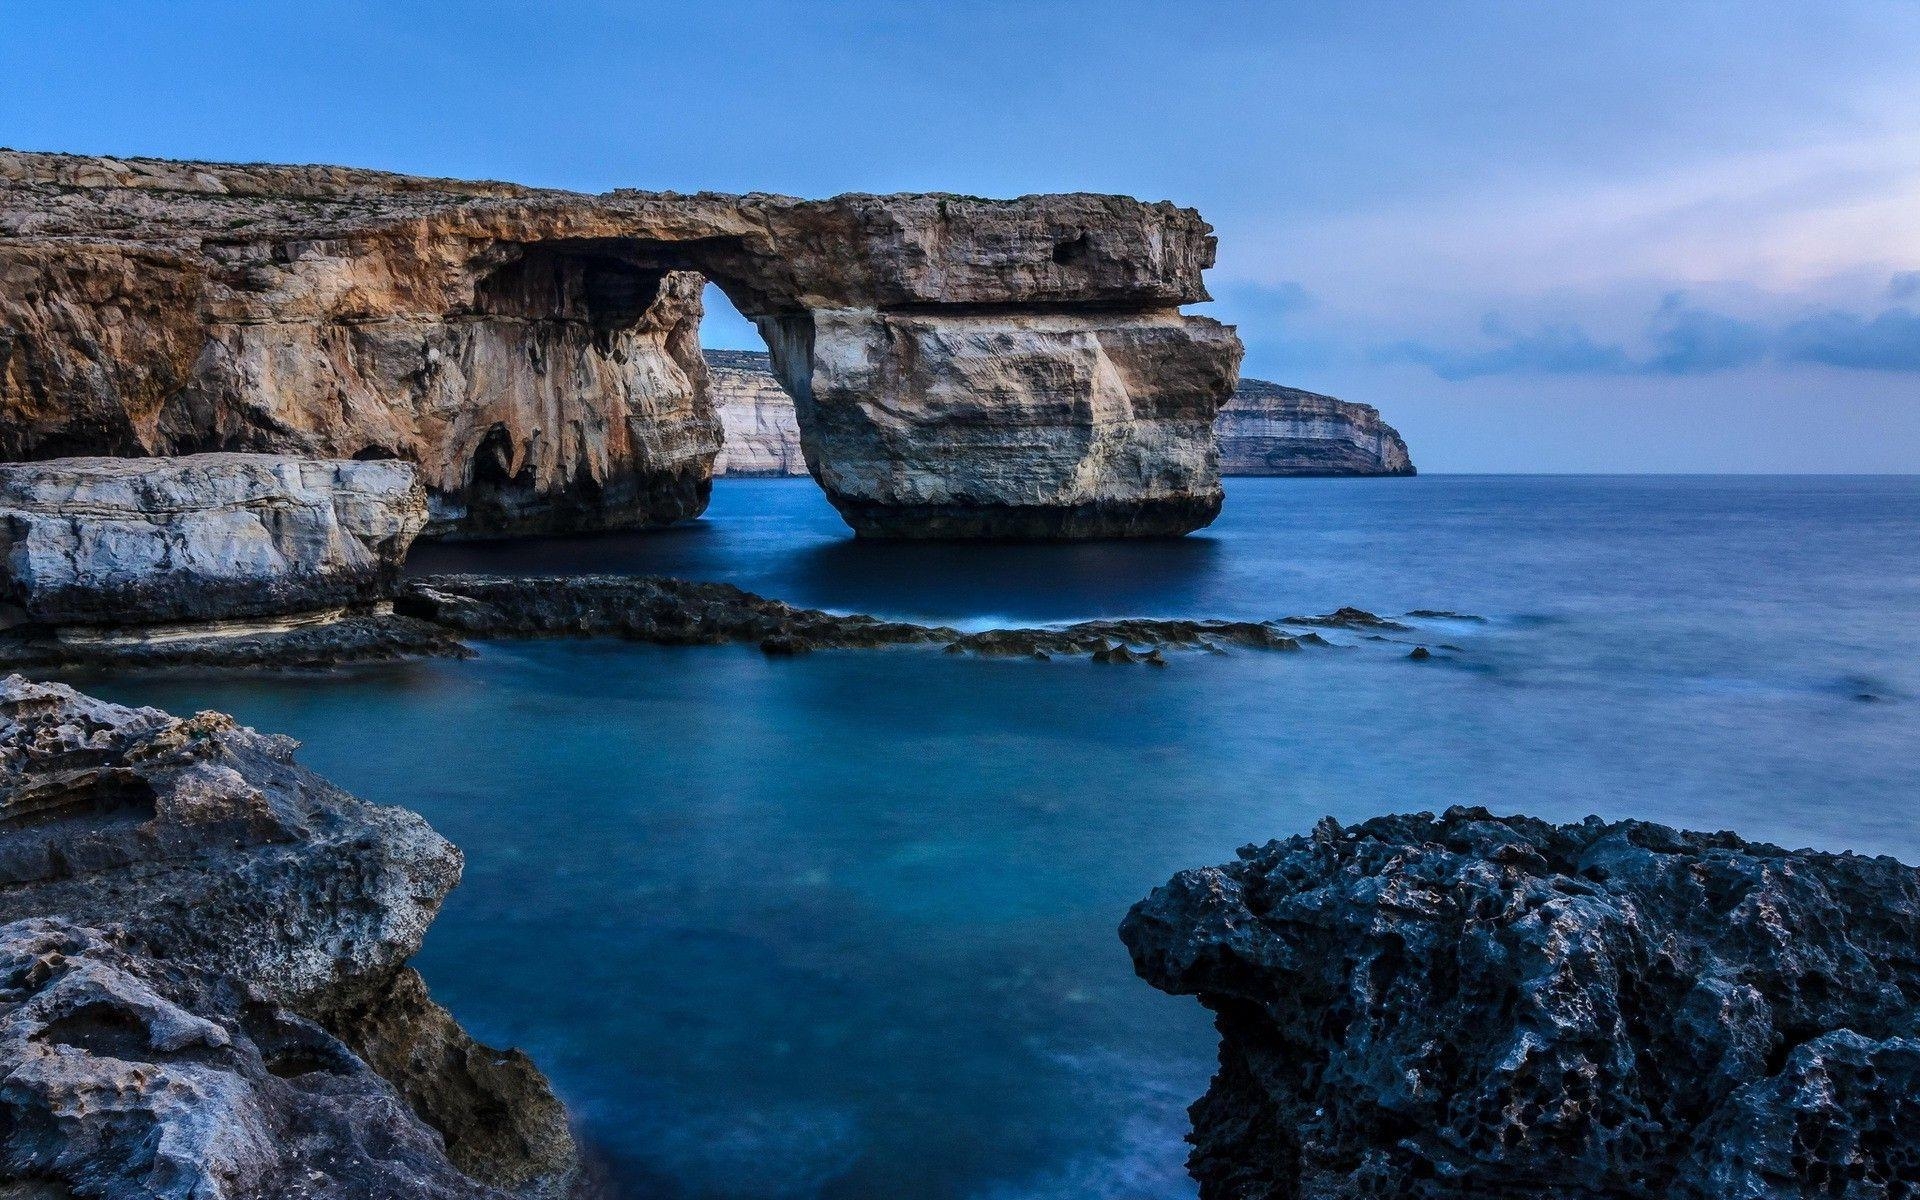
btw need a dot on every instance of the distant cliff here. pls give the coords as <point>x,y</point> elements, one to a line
<point>761,435</point>
<point>1265,429</point>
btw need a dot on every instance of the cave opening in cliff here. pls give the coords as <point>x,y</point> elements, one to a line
<point>596,284</point>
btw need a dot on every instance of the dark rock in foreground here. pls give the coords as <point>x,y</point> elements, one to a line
<point>1473,1006</point>
<point>206,846</point>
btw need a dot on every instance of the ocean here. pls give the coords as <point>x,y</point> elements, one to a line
<point>843,926</point>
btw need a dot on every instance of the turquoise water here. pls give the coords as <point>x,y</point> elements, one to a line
<point>843,926</point>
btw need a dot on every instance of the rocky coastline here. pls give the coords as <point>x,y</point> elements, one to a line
<point>1263,428</point>
<point>203,979</point>
<point>959,366</point>
<point>1470,1005</point>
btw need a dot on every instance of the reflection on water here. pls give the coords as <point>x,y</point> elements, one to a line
<point>843,926</point>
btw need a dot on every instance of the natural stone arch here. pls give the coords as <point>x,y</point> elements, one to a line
<point>960,367</point>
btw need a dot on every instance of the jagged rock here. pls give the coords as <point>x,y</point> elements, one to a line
<point>210,537</point>
<point>762,435</point>
<point>960,365</point>
<point>206,845</point>
<point>128,1076</point>
<point>1269,429</point>
<point>1471,1006</point>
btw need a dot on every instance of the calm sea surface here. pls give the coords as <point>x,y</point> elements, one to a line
<point>843,926</point>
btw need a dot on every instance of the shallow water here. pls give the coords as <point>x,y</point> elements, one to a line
<point>843,926</point>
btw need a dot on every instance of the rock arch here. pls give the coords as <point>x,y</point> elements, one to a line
<point>960,367</point>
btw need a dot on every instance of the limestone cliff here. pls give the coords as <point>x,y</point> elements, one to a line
<point>960,366</point>
<point>1264,429</point>
<point>761,435</point>
<point>1269,429</point>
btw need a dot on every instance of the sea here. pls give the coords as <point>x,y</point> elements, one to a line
<point>843,925</point>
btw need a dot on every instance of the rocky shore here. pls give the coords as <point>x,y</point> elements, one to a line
<point>1475,1006</point>
<point>203,979</point>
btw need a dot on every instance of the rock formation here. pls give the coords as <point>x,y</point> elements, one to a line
<point>211,537</point>
<point>1263,429</point>
<point>960,366</point>
<point>1268,429</point>
<point>206,846</point>
<point>760,434</point>
<point>1472,1006</point>
<point>131,1076</point>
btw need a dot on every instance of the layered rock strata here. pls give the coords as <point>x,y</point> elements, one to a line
<point>1472,1006</point>
<point>960,366</point>
<point>1263,429</point>
<point>205,846</point>
<point>1269,429</point>
<point>204,538</point>
<point>761,435</point>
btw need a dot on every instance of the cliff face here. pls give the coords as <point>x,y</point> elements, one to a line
<point>1263,429</point>
<point>1471,1006</point>
<point>212,853</point>
<point>760,434</point>
<point>1268,429</point>
<point>960,365</point>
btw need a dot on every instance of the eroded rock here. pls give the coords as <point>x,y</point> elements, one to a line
<point>960,365</point>
<point>1270,429</point>
<point>1472,1006</point>
<point>205,845</point>
<point>203,538</point>
<point>132,1076</point>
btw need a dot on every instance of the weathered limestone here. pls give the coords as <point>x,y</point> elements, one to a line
<point>208,847</point>
<point>211,537</point>
<point>1268,429</point>
<point>761,433</point>
<point>1470,1006</point>
<point>1263,429</point>
<point>133,1076</point>
<point>962,366</point>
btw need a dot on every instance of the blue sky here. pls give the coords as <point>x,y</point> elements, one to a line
<point>1559,237</point>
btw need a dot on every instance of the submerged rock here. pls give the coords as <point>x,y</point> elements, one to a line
<point>206,845</point>
<point>680,612</point>
<point>1471,1006</point>
<point>207,537</point>
<point>130,1076</point>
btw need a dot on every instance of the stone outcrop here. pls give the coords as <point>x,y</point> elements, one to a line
<point>133,1076</point>
<point>206,846</point>
<point>1263,429</point>
<point>1471,1006</point>
<point>1268,429</point>
<point>203,538</point>
<point>761,435</point>
<point>960,366</point>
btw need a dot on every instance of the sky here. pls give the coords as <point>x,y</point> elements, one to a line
<point>1569,236</point>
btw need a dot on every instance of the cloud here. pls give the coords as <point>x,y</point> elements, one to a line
<point>1685,339</point>
<point>1548,350</point>
<point>1887,341</point>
